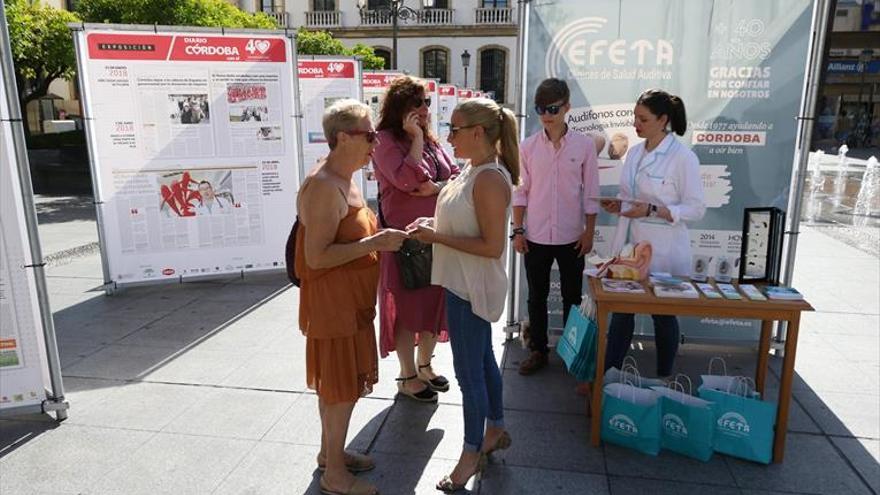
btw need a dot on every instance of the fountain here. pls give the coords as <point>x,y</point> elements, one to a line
<point>817,185</point>
<point>868,200</point>
<point>840,176</point>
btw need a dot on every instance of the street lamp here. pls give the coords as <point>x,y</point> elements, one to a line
<point>465,61</point>
<point>396,10</point>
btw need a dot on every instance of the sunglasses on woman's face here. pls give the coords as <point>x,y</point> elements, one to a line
<point>453,129</point>
<point>551,109</point>
<point>369,135</point>
<point>419,102</point>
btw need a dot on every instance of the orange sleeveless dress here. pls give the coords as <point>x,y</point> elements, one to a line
<point>337,307</point>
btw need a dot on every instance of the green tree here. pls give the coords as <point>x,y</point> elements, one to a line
<point>323,43</point>
<point>208,13</point>
<point>42,48</point>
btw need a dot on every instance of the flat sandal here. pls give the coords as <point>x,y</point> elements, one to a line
<point>359,487</point>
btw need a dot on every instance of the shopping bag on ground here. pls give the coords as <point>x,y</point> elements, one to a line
<point>686,422</point>
<point>725,382</point>
<point>743,423</point>
<point>577,347</point>
<point>631,417</point>
<point>614,375</point>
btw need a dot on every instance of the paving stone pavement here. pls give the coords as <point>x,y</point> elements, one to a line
<point>199,388</point>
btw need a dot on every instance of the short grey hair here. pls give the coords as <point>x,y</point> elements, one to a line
<point>343,115</point>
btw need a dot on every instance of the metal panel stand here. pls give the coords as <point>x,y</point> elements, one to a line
<point>54,401</point>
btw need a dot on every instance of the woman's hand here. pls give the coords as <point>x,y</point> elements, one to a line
<point>429,221</point>
<point>388,239</point>
<point>427,188</point>
<point>611,205</point>
<point>423,233</point>
<point>411,125</point>
<point>637,210</point>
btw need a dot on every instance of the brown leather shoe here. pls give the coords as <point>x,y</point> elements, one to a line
<point>533,363</point>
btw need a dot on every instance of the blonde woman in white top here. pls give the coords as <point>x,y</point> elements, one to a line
<point>469,235</point>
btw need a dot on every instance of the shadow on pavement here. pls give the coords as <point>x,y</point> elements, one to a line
<point>64,208</point>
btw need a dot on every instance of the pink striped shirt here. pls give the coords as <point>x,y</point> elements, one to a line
<point>555,186</point>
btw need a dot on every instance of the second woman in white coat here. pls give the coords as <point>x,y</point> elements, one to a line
<point>662,176</point>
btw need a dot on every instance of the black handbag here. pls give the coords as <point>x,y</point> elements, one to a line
<point>414,262</point>
<point>414,258</point>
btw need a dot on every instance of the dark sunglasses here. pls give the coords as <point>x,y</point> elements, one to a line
<point>369,135</point>
<point>419,102</point>
<point>551,109</point>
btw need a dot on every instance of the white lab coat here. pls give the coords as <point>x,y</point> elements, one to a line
<point>219,207</point>
<point>667,176</point>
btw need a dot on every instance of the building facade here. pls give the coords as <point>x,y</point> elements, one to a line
<point>849,102</point>
<point>431,40</point>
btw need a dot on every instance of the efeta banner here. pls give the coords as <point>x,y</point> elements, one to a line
<point>739,67</point>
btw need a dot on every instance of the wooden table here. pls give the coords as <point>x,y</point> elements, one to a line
<point>647,303</point>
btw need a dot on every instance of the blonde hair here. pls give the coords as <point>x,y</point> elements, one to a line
<point>343,115</point>
<point>500,128</point>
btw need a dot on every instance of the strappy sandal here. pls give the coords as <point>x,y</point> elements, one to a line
<point>502,443</point>
<point>438,384</point>
<point>424,395</point>
<point>359,487</point>
<point>446,485</point>
<point>354,462</point>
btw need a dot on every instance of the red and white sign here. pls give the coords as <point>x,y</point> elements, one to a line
<point>380,79</point>
<point>190,48</point>
<point>447,90</point>
<point>325,69</point>
<point>465,93</point>
<point>109,46</point>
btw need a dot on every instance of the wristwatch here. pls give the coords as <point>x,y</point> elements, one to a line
<point>517,231</point>
<point>652,210</point>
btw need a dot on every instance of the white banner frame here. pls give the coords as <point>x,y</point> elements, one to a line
<point>231,263</point>
<point>360,176</point>
<point>46,372</point>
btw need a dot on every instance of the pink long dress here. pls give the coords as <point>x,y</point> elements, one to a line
<point>401,309</point>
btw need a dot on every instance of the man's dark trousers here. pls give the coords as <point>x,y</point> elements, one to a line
<point>539,261</point>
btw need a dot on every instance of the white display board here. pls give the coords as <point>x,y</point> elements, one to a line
<point>375,83</point>
<point>322,82</point>
<point>433,92</point>
<point>193,148</point>
<point>23,363</point>
<point>448,99</point>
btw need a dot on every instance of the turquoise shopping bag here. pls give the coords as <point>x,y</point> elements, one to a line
<point>577,347</point>
<point>743,425</point>
<point>687,424</point>
<point>631,417</point>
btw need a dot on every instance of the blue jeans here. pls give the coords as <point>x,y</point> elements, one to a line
<point>475,369</point>
<point>620,333</point>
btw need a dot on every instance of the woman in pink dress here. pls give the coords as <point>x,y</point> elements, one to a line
<point>410,167</point>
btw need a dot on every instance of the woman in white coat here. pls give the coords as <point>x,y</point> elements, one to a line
<point>661,177</point>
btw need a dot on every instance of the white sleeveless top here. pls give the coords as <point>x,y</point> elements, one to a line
<point>481,281</point>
